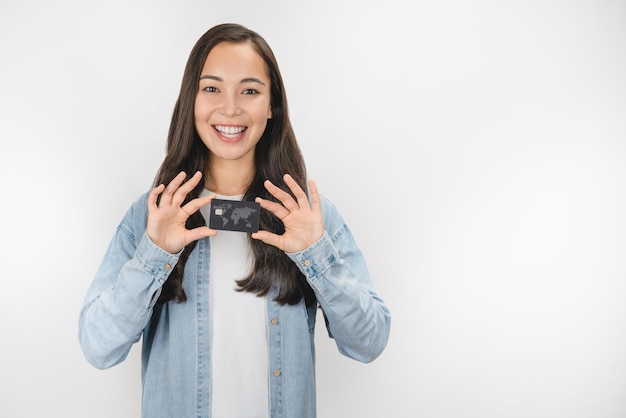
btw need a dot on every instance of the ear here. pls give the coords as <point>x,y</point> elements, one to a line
<point>269,112</point>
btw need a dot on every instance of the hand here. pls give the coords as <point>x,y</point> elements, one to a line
<point>166,221</point>
<point>303,222</point>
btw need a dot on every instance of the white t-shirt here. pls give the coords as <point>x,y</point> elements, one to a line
<point>239,348</point>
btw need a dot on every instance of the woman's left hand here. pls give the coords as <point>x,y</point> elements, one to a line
<point>303,221</point>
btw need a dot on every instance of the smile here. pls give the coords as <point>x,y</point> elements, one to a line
<point>230,132</point>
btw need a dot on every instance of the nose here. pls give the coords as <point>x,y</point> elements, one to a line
<point>230,105</point>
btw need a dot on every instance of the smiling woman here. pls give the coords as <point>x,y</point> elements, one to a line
<point>227,319</point>
<point>476,149</point>
<point>232,106</point>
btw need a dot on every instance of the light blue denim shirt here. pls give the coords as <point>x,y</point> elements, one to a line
<point>119,309</point>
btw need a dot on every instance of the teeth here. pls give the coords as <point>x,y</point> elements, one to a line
<point>231,131</point>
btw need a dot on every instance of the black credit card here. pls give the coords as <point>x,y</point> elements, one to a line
<point>234,215</point>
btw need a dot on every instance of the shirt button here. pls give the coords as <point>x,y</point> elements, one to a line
<point>274,321</point>
<point>168,266</point>
<point>307,263</point>
<point>276,373</point>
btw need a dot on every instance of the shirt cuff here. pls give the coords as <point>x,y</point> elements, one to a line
<point>156,261</point>
<point>317,258</point>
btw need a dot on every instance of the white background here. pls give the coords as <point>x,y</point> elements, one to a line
<point>476,149</point>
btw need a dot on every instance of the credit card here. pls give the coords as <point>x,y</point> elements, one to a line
<point>234,215</point>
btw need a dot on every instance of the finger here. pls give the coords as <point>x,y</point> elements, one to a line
<point>276,208</point>
<point>269,238</point>
<point>301,197</point>
<point>193,205</point>
<point>316,203</point>
<point>181,193</point>
<point>166,197</point>
<point>199,233</point>
<point>281,195</point>
<point>154,195</point>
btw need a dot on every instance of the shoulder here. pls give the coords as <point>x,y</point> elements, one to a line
<point>333,221</point>
<point>136,217</point>
<point>328,208</point>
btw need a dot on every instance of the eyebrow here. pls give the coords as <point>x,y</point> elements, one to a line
<point>245,80</point>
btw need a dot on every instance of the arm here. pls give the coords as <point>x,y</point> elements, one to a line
<point>140,258</point>
<point>356,317</point>
<point>119,302</point>
<point>319,242</point>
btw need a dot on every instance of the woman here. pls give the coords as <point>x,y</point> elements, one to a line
<point>228,318</point>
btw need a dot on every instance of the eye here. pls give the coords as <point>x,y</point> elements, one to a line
<point>250,91</point>
<point>210,89</point>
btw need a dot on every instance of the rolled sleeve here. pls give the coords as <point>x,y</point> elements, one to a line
<point>157,262</point>
<point>316,259</point>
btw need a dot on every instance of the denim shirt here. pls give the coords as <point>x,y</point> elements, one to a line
<point>120,309</point>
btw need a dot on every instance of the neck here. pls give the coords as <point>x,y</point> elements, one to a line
<point>229,178</point>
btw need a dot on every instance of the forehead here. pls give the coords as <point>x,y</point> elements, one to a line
<point>235,60</point>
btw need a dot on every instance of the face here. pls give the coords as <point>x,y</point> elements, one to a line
<point>233,101</point>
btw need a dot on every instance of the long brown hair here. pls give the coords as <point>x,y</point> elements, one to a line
<point>276,154</point>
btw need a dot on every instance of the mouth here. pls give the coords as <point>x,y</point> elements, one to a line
<point>230,132</point>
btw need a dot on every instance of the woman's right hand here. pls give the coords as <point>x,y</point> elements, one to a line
<point>166,220</point>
